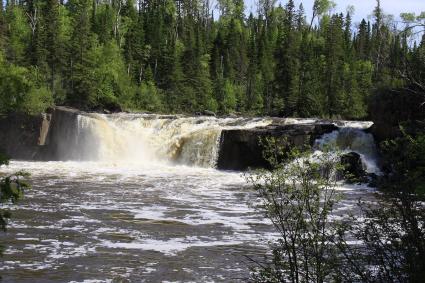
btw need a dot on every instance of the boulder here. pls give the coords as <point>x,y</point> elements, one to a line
<point>354,170</point>
<point>241,149</point>
<point>373,180</point>
<point>208,113</point>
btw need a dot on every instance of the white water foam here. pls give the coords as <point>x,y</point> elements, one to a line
<point>353,138</point>
<point>143,140</point>
<point>137,195</point>
<point>148,139</point>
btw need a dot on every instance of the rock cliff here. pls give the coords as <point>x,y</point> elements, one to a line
<point>36,137</point>
<point>242,149</point>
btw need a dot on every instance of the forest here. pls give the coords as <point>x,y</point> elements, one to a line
<point>192,56</point>
<point>210,57</point>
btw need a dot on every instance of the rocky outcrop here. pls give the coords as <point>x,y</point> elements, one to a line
<point>63,127</point>
<point>38,137</point>
<point>21,135</point>
<point>353,170</point>
<point>206,113</point>
<point>242,149</point>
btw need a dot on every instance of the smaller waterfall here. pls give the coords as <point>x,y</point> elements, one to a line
<point>351,137</point>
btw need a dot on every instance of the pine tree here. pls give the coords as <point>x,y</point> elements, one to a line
<point>362,42</point>
<point>2,26</point>
<point>50,21</point>
<point>81,88</point>
<point>334,66</point>
<point>266,49</point>
<point>254,87</point>
<point>287,69</point>
<point>134,45</point>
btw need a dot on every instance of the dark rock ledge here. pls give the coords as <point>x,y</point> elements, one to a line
<point>241,149</point>
<point>34,137</point>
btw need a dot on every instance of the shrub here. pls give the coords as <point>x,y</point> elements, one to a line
<point>299,196</point>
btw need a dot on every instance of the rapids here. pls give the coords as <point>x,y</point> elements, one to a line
<point>139,199</point>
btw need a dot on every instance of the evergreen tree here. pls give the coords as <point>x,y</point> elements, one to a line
<point>18,34</point>
<point>53,46</point>
<point>334,66</point>
<point>287,68</point>
<point>254,87</point>
<point>2,26</point>
<point>362,42</point>
<point>81,55</point>
<point>175,56</point>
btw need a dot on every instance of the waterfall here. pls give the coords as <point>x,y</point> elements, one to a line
<point>146,139</point>
<point>351,137</point>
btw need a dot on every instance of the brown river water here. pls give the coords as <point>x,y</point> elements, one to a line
<point>125,213</point>
<point>90,222</point>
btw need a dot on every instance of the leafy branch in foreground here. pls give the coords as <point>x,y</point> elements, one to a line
<point>389,241</point>
<point>11,190</point>
<point>383,242</point>
<point>299,195</point>
<point>391,233</point>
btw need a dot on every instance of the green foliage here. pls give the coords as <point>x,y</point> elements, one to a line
<point>148,98</point>
<point>111,84</point>
<point>20,90</point>
<point>37,100</point>
<point>391,230</point>
<point>392,240</point>
<point>406,156</point>
<point>322,6</point>
<point>11,191</point>
<point>382,241</point>
<point>229,99</point>
<point>18,34</point>
<point>299,197</point>
<point>97,54</point>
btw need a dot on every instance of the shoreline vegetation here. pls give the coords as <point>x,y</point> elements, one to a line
<point>380,240</point>
<point>171,57</point>
<point>175,57</point>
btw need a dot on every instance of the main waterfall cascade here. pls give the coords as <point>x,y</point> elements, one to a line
<point>145,139</point>
<point>192,141</point>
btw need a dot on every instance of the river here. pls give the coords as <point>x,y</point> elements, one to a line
<point>136,203</point>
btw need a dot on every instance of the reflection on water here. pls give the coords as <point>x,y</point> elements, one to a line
<point>96,222</point>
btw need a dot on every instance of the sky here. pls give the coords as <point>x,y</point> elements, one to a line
<point>363,8</point>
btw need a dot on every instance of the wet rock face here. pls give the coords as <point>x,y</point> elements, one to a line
<point>36,137</point>
<point>20,135</point>
<point>242,149</point>
<point>63,133</point>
